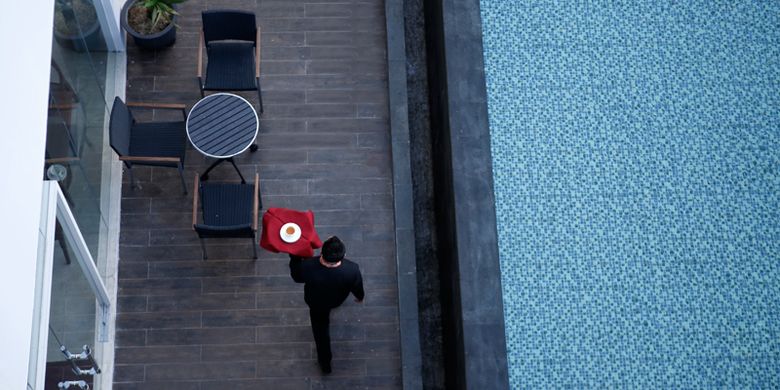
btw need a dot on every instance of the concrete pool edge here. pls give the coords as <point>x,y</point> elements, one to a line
<point>473,318</point>
<point>475,342</point>
<point>408,318</point>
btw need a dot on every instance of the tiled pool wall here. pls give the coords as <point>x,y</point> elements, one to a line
<point>636,159</point>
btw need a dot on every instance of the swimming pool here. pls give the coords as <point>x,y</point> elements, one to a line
<point>636,161</point>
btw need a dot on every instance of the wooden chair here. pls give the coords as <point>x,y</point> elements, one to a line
<point>230,210</point>
<point>232,41</point>
<point>161,144</point>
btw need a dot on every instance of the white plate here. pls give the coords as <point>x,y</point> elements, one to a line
<point>290,238</point>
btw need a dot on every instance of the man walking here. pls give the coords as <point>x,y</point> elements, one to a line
<point>328,280</point>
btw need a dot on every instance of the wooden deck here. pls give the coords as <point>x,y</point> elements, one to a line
<point>232,322</point>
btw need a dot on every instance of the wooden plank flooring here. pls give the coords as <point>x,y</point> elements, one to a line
<point>231,322</point>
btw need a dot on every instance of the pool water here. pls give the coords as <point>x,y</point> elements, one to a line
<point>636,160</point>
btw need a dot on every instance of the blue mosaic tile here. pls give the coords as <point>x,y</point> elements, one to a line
<point>636,161</point>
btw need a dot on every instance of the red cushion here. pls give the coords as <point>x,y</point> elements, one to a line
<point>275,218</point>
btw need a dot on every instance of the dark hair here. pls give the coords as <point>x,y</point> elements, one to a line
<point>333,250</point>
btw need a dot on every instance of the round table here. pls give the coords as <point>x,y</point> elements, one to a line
<point>222,126</point>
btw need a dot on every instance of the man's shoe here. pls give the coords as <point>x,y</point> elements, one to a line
<point>325,367</point>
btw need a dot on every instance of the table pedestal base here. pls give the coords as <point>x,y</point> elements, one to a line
<point>205,175</point>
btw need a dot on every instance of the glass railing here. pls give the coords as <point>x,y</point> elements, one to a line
<point>82,81</point>
<point>72,311</point>
<point>72,315</point>
<point>77,114</point>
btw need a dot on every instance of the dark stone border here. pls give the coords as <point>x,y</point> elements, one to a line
<point>473,315</point>
<point>411,361</point>
<point>472,308</point>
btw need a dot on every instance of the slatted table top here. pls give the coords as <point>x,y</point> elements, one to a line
<point>222,125</point>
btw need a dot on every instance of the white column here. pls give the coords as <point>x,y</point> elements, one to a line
<point>25,47</point>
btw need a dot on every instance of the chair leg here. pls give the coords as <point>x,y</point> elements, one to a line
<point>181,174</point>
<point>203,248</point>
<point>60,236</point>
<point>200,86</point>
<point>254,245</point>
<point>130,172</point>
<point>259,96</point>
<point>65,252</point>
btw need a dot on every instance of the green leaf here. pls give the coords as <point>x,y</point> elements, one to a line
<point>155,16</point>
<point>165,9</point>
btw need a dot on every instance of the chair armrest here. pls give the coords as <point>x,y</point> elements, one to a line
<point>149,159</point>
<point>257,54</point>
<point>195,202</point>
<point>67,106</point>
<point>60,160</point>
<point>160,106</point>
<point>200,54</point>
<point>255,202</point>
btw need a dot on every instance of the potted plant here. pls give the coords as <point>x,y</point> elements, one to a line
<point>76,25</point>
<point>151,23</point>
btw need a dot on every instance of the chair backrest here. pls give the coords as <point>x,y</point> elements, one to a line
<point>119,127</point>
<point>237,231</point>
<point>220,25</point>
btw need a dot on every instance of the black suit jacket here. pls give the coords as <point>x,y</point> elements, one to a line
<point>326,288</point>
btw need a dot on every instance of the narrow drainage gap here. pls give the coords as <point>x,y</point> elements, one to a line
<point>429,286</point>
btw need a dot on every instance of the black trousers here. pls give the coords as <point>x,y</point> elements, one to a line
<point>320,326</point>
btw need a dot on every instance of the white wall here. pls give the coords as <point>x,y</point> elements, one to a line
<point>25,49</point>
